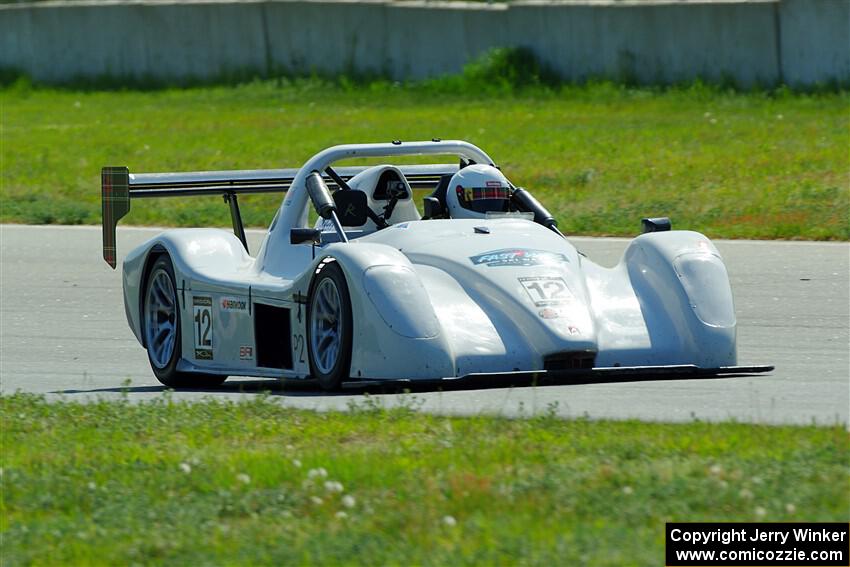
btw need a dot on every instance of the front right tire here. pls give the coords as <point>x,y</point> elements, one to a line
<point>162,330</point>
<point>329,328</point>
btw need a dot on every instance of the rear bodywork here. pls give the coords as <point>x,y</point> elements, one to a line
<point>433,299</point>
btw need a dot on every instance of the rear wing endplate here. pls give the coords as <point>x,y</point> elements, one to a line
<point>119,187</point>
<point>115,202</point>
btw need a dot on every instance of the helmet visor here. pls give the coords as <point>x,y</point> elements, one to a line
<point>495,199</point>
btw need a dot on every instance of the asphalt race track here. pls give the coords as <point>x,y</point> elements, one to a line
<point>63,333</point>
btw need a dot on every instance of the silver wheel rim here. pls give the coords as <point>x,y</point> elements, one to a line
<point>325,326</point>
<point>160,318</point>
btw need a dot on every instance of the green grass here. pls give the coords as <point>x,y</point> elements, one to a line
<point>600,156</point>
<point>178,483</point>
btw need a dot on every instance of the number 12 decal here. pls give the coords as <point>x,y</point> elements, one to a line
<point>546,290</point>
<point>203,327</point>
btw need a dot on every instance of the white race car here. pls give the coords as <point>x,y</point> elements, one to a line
<point>483,287</point>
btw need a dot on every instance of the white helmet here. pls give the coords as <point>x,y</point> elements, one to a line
<point>476,190</point>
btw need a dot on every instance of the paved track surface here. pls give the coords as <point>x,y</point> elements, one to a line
<point>63,333</point>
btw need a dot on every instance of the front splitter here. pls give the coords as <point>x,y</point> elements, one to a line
<point>574,376</point>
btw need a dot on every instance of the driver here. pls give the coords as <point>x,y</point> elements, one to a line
<point>476,190</point>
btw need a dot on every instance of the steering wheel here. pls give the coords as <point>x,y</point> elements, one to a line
<point>395,190</point>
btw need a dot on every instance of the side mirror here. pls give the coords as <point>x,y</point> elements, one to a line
<point>320,195</point>
<point>352,207</point>
<point>657,224</point>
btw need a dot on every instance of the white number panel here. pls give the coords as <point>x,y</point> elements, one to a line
<point>203,327</point>
<point>546,290</point>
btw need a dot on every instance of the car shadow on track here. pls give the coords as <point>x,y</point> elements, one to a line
<point>310,388</point>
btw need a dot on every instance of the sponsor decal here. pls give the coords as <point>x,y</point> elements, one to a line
<point>549,313</point>
<point>233,304</point>
<point>557,313</point>
<point>545,291</point>
<point>246,352</point>
<point>403,226</point>
<point>203,327</point>
<point>518,257</point>
<point>203,354</point>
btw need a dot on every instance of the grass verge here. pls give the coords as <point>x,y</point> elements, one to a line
<point>600,156</point>
<point>255,482</point>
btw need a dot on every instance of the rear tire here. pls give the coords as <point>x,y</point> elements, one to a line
<point>162,330</point>
<point>329,328</point>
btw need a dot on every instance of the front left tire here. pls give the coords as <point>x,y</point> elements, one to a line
<point>162,329</point>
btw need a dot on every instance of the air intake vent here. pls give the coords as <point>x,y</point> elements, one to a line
<point>569,360</point>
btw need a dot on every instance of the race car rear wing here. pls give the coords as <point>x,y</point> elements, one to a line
<point>119,187</point>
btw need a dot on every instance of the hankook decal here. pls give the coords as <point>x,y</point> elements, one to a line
<point>518,257</point>
<point>203,327</point>
<point>233,304</point>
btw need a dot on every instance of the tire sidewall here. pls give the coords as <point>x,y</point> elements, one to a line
<point>342,367</point>
<point>167,373</point>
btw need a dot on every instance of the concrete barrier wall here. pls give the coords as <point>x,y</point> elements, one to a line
<point>815,41</point>
<point>653,42</point>
<point>800,42</point>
